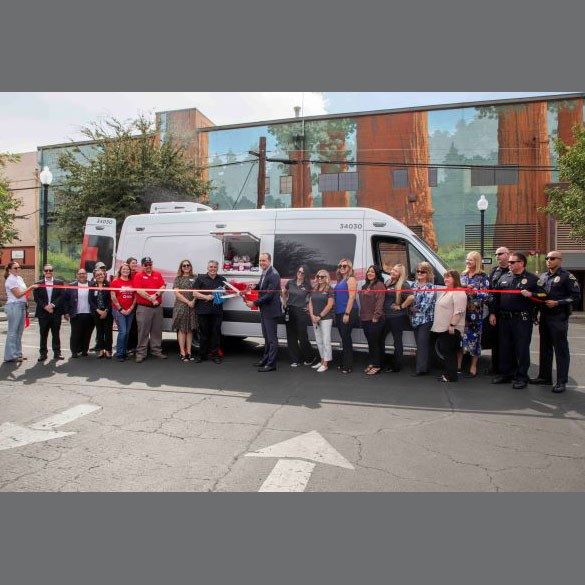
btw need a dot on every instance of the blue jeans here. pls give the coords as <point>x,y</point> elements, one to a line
<point>15,313</point>
<point>124,323</point>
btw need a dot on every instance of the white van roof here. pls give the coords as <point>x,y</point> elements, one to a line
<point>300,213</point>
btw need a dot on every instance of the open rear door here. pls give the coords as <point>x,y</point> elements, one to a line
<point>99,243</point>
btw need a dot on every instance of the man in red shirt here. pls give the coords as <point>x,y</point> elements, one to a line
<point>149,285</point>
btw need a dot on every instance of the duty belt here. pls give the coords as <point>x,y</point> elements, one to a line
<point>524,315</point>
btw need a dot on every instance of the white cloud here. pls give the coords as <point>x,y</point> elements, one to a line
<point>51,118</point>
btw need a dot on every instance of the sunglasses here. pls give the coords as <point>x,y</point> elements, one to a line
<point>421,271</point>
<point>48,270</point>
<point>500,253</point>
<point>147,264</point>
<point>342,265</point>
<point>16,267</point>
<point>514,261</point>
<point>552,258</point>
<point>321,275</point>
<point>182,265</point>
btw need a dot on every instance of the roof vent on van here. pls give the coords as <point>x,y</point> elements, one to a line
<point>178,207</point>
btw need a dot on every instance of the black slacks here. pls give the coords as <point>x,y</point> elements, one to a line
<point>297,338</point>
<point>52,323</point>
<point>103,332</point>
<point>448,346</point>
<point>553,330</point>
<point>515,334</point>
<point>209,333</point>
<point>374,333</point>
<point>396,326</point>
<point>81,329</point>
<point>346,340</point>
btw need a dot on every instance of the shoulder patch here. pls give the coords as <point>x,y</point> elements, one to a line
<point>572,276</point>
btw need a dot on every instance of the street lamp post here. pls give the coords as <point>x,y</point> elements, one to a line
<point>482,205</point>
<point>46,178</point>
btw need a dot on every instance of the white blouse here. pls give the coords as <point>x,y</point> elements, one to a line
<point>14,282</point>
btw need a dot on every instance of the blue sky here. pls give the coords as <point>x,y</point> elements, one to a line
<point>28,120</point>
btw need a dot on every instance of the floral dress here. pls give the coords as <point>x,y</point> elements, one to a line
<point>474,313</point>
<point>423,307</point>
<point>184,317</point>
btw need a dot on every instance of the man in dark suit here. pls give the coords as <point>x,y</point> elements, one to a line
<point>76,307</point>
<point>49,308</point>
<point>270,311</point>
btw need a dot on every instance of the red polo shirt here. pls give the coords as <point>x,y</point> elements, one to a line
<point>151,283</point>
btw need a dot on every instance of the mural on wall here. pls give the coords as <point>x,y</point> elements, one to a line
<point>404,139</point>
<point>440,202</point>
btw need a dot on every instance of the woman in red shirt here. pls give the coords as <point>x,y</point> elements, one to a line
<point>123,303</point>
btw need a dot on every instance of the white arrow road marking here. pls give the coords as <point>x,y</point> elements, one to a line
<point>12,435</point>
<point>288,475</point>
<point>291,473</point>
<point>65,417</point>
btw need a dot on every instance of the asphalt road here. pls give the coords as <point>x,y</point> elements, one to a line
<point>172,426</point>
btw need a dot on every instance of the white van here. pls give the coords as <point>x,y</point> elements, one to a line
<point>317,237</point>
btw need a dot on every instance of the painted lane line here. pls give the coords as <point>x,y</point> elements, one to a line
<point>288,475</point>
<point>65,417</point>
<point>13,435</point>
<point>292,471</point>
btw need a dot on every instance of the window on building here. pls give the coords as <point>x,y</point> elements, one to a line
<point>483,177</point>
<point>433,177</point>
<point>400,178</point>
<point>348,182</point>
<point>507,176</point>
<point>267,185</point>
<point>286,185</point>
<point>328,182</point>
<point>316,251</point>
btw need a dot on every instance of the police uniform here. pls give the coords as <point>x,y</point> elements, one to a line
<point>560,286</point>
<point>515,315</point>
<point>489,336</point>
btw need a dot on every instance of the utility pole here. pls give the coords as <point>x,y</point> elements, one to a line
<point>261,172</point>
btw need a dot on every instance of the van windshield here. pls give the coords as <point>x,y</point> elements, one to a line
<point>429,250</point>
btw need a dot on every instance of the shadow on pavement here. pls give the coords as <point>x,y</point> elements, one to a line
<point>302,386</point>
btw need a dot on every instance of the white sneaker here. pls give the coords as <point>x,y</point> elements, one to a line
<point>322,369</point>
<point>317,366</point>
<point>294,365</point>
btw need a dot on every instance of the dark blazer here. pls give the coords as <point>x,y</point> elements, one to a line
<point>94,295</point>
<point>41,298</point>
<point>269,297</point>
<point>70,300</point>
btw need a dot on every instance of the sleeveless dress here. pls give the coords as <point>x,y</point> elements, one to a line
<point>184,317</point>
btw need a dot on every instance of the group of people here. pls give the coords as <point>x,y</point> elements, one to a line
<point>455,315</point>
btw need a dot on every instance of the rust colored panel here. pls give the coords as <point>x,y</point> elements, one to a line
<point>402,138</point>
<point>523,140</point>
<point>570,114</point>
<point>302,195</point>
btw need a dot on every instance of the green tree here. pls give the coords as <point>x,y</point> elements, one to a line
<point>567,201</point>
<point>8,203</point>
<point>129,169</point>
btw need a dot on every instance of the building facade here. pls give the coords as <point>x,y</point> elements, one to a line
<point>23,182</point>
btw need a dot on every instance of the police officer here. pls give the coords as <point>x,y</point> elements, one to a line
<point>514,312</point>
<point>490,332</point>
<point>562,294</point>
